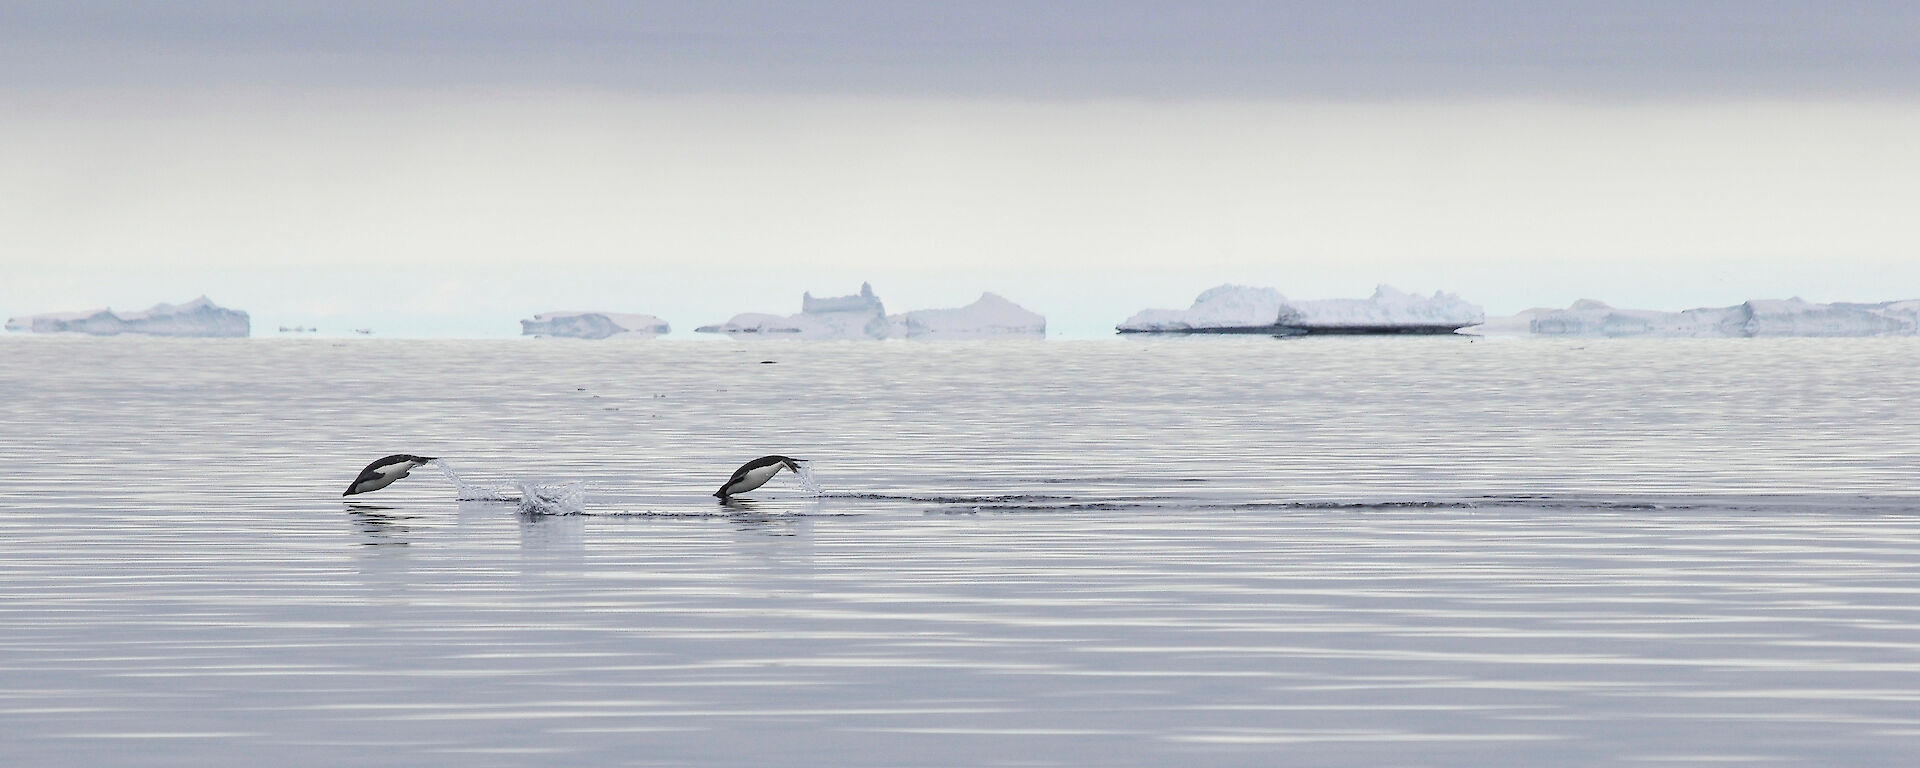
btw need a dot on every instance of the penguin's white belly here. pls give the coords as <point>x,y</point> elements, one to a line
<point>384,477</point>
<point>754,478</point>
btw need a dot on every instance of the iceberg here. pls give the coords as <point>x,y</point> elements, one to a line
<point>859,316</point>
<point>991,315</point>
<point>863,316</point>
<point>1387,311</point>
<point>198,318</point>
<point>1795,317</point>
<point>1221,309</point>
<point>1759,317</point>
<point>863,302</point>
<point>593,325</point>
<point>1244,309</point>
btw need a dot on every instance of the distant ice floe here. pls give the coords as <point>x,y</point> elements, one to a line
<point>1246,309</point>
<point>863,316</point>
<point>1760,317</point>
<point>593,325</point>
<point>197,318</point>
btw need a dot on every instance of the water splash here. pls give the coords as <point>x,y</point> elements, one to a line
<point>805,475</point>
<point>567,499</point>
<point>465,491</point>
<point>533,498</point>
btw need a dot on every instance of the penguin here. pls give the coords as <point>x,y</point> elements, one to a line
<point>754,474</point>
<point>382,473</point>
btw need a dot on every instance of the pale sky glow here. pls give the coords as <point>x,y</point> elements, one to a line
<point>457,210</point>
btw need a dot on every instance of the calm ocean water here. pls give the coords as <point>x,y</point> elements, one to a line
<point>1210,551</point>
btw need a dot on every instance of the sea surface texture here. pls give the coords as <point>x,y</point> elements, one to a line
<point>1143,552</point>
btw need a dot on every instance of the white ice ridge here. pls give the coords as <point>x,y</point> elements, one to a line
<point>863,316</point>
<point>1239,308</point>
<point>200,318</point>
<point>593,325</point>
<point>1760,317</point>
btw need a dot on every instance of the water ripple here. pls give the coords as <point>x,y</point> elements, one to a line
<point>1114,554</point>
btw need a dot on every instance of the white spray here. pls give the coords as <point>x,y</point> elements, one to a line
<point>464,491</point>
<point>805,475</point>
<point>562,499</point>
<point>567,499</point>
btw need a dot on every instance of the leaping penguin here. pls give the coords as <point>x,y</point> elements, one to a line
<point>756,473</point>
<point>382,473</point>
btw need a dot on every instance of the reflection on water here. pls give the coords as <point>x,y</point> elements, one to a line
<point>550,533</point>
<point>771,526</point>
<point>1355,553</point>
<point>376,526</point>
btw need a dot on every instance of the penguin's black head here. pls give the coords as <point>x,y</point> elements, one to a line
<point>422,459</point>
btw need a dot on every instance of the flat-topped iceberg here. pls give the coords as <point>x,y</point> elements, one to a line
<point>1245,309</point>
<point>1759,317</point>
<point>197,318</point>
<point>863,316</point>
<point>594,325</point>
<point>991,315</point>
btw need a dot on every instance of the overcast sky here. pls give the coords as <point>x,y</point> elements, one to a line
<point>1086,48</point>
<point>446,168</point>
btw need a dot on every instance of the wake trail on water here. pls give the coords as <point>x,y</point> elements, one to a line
<point>564,498</point>
<point>571,499</point>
